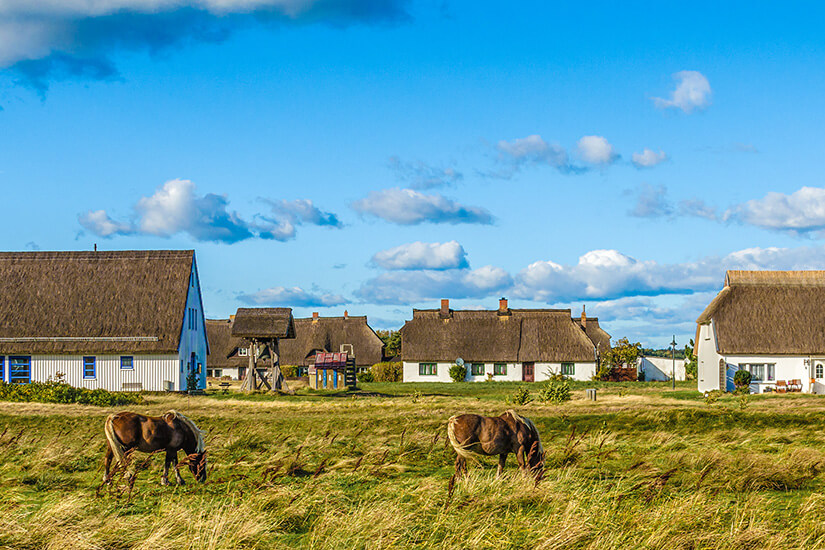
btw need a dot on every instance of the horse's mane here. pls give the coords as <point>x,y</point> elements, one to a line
<point>529,423</point>
<point>191,425</point>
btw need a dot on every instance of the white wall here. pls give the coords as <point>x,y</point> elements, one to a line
<point>232,372</point>
<point>659,368</point>
<point>708,359</point>
<point>583,371</point>
<point>193,340</point>
<point>151,371</point>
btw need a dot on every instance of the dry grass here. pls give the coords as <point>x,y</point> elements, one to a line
<point>642,470</point>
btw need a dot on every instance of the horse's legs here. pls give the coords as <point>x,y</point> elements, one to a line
<point>521,457</point>
<point>502,459</point>
<point>164,480</point>
<point>107,463</point>
<point>174,461</point>
<point>460,465</point>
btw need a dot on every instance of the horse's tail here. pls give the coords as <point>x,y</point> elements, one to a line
<point>114,444</point>
<point>460,449</point>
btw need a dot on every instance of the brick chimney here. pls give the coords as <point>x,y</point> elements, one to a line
<point>314,316</point>
<point>232,318</point>
<point>584,318</point>
<point>346,314</point>
<point>503,308</point>
<point>445,308</point>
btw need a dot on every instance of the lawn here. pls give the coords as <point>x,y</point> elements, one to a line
<point>643,467</point>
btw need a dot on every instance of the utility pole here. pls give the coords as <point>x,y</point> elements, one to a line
<point>673,359</point>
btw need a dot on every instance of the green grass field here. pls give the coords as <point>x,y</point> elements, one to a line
<point>643,467</point>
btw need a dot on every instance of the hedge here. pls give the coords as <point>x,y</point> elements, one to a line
<point>60,392</point>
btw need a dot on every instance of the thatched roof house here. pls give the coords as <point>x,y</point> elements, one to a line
<point>769,322</point>
<point>83,313</point>
<point>332,334</point>
<point>228,355</point>
<point>540,338</point>
<point>263,322</point>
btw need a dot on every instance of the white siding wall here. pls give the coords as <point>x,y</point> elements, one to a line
<point>149,370</point>
<point>193,340</point>
<point>660,368</point>
<point>583,371</point>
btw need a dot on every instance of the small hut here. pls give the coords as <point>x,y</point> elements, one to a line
<point>262,328</point>
<point>332,371</point>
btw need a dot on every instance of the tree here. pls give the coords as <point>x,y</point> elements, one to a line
<point>691,362</point>
<point>622,353</point>
<point>392,342</point>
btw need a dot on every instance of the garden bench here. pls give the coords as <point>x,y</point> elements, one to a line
<point>795,385</point>
<point>781,386</point>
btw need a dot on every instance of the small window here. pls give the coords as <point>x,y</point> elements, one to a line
<point>20,369</point>
<point>427,369</point>
<point>243,352</point>
<point>2,367</point>
<point>89,367</point>
<point>568,369</point>
<point>819,368</point>
<point>127,362</point>
<point>192,279</point>
<point>477,369</point>
<point>500,369</point>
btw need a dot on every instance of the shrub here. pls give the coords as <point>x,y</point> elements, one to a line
<point>387,372</point>
<point>742,379</point>
<point>521,396</point>
<point>458,373</point>
<point>60,392</point>
<point>555,392</point>
<point>712,397</point>
<point>365,377</point>
<point>289,371</point>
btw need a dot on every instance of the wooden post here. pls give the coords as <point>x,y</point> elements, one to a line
<point>277,376</point>
<point>250,383</point>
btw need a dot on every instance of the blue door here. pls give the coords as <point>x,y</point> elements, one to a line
<point>20,369</point>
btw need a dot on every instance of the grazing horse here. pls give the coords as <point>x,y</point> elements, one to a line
<point>498,435</point>
<point>170,432</point>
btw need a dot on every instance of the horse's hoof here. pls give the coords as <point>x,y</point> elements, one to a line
<point>164,482</point>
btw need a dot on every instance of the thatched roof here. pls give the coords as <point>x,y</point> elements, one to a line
<point>263,322</point>
<point>93,302</point>
<point>599,337</point>
<point>328,334</point>
<point>540,335</point>
<point>769,312</point>
<point>223,346</point>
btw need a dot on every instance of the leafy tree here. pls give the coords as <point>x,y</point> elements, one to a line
<point>622,353</point>
<point>691,362</point>
<point>458,373</point>
<point>742,380</point>
<point>392,342</point>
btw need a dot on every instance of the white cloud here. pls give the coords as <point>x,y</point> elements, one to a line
<point>596,150</point>
<point>423,176</point>
<point>410,207</point>
<point>648,158</point>
<point>533,150</point>
<point>409,287</point>
<point>99,223</point>
<point>692,92</point>
<point>292,297</point>
<point>651,202</point>
<point>802,211</point>
<point>420,255</point>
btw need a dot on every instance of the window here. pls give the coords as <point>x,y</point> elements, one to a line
<point>20,370</point>
<point>192,279</point>
<point>243,352</point>
<point>568,369</point>
<point>477,369</point>
<point>819,368</point>
<point>2,367</point>
<point>760,372</point>
<point>193,319</point>
<point>500,369</point>
<point>89,367</point>
<point>427,369</point>
<point>127,362</point>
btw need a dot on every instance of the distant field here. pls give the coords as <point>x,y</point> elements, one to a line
<point>643,467</point>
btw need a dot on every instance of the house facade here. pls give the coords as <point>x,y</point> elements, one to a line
<point>506,344</point>
<point>661,368</point>
<point>228,355</point>
<point>770,323</point>
<point>122,320</point>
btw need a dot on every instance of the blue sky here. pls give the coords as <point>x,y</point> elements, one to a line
<point>377,155</point>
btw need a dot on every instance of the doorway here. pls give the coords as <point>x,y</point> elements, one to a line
<point>528,372</point>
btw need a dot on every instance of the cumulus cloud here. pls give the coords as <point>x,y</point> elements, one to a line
<point>692,92</point>
<point>651,202</point>
<point>43,40</point>
<point>596,150</point>
<point>292,297</point>
<point>176,207</point>
<point>648,158</point>
<point>410,207</point>
<point>801,212</point>
<point>698,208</point>
<point>420,255</point>
<point>407,287</point>
<point>419,175</point>
<point>533,150</point>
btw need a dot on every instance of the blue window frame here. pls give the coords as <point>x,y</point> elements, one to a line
<point>20,369</point>
<point>3,368</point>
<point>89,367</point>
<point>127,362</point>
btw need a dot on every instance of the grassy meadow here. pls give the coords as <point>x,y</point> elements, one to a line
<point>643,467</point>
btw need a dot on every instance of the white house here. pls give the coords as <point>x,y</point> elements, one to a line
<point>770,323</point>
<point>505,344</point>
<point>661,368</point>
<point>124,320</point>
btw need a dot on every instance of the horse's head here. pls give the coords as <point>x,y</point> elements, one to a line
<point>197,465</point>
<point>535,458</point>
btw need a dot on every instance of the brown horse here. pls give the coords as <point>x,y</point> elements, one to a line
<point>171,432</point>
<point>499,435</point>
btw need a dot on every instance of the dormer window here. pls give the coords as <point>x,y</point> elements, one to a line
<point>243,352</point>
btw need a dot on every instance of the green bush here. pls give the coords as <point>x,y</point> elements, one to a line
<point>365,377</point>
<point>555,392</point>
<point>458,373</point>
<point>712,397</point>
<point>289,371</point>
<point>520,397</point>
<point>387,372</point>
<point>60,392</point>
<point>742,379</point>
